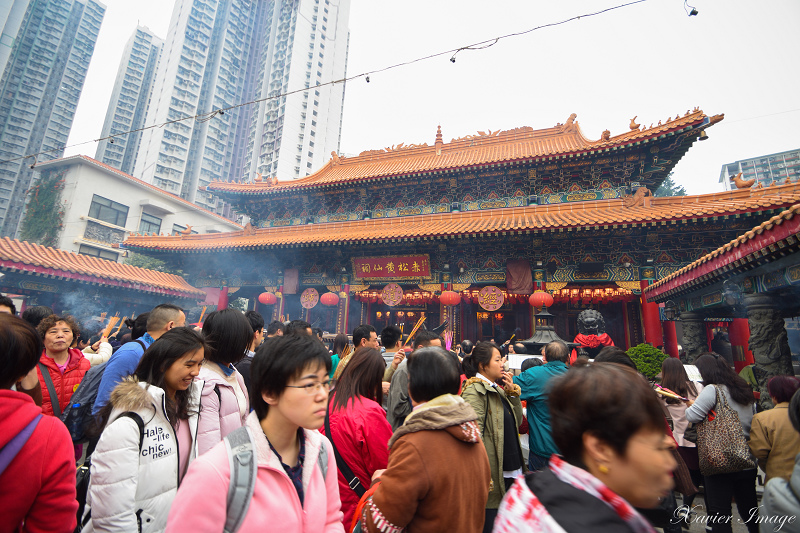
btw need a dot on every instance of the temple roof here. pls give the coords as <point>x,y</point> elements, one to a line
<point>27,258</point>
<point>519,220</point>
<point>774,237</point>
<point>520,144</point>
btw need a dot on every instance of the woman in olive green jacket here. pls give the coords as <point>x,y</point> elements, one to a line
<point>499,416</point>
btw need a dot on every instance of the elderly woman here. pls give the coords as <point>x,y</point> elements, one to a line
<point>609,426</point>
<point>438,475</point>
<point>61,368</point>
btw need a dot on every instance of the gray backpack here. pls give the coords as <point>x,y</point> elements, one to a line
<point>244,469</point>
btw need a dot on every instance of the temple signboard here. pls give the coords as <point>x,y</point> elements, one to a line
<point>309,298</point>
<point>392,267</point>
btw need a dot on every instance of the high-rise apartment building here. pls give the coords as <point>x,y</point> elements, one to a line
<point>129,100</point>
<point>11,15</point>
<point>226,53</point>
<point>39,92</point>
<point>764,169</point>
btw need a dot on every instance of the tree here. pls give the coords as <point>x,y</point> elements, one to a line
<point>150,263</point>
<point>670,188</point>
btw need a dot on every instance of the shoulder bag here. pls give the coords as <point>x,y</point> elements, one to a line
<point>721,445</point>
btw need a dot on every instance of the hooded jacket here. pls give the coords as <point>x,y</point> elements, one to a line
<point>438,475</point>
<point>132,490</point>
<point>66,383</point>
<point>220,412</point>
<point>38,486</point>
<point>275,506</point>
<point>486,402</point>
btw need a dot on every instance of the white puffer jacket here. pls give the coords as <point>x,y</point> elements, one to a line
<point>131,490</point>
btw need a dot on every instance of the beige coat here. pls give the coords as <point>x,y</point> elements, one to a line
<point>775,442</point>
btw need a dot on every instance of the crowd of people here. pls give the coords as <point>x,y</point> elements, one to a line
<point>237,424</point>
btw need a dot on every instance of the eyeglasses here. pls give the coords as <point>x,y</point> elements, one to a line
<point>313,388</point>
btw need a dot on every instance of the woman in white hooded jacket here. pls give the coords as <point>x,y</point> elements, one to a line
<point>149,439</point>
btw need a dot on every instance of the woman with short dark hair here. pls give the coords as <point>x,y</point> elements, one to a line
<point>63,367</point>
<point>422,489</point>
<point>773,440</point>
<point>720,489</point>
<point>225,402</point>
<point>359,429</point>
<point>37,487</point>
<point>609,427</point>
<point>293,491</point>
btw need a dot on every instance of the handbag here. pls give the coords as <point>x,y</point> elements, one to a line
<point>721,445</point>
<point>691,433</point>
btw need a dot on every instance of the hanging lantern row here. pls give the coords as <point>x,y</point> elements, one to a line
<point>592,296</point>
<point>417,297</point>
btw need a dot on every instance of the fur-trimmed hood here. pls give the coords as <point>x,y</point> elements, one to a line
<point>446,412</point>
<point>143,398</point>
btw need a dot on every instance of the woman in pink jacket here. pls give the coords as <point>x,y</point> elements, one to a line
<point>290,383</point>
<point>359,428</point>
<point>224,403</point>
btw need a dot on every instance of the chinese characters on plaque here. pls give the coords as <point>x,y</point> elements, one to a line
<point>490,298</point>
<point>392,294</point>
<point>392,267</point>
<point>309,298</point>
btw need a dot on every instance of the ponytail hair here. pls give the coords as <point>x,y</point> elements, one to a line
<point>481,355</point>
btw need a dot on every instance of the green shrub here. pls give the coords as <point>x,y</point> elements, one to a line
<point>648,359</point>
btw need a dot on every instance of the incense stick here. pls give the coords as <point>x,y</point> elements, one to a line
<point>416,327</point>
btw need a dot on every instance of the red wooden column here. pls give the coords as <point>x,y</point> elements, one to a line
<point>670,338</point>
<point>222,303</point>
<point>651,319</point>
<point>739,335</point>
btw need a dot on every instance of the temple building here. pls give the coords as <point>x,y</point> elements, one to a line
<point>492,216</point>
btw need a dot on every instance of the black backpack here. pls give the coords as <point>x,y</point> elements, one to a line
<point>77,415</point>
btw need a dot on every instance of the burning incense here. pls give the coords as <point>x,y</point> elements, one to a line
<point>668,393</point>
<point>203,312</point>
<point>121,322</point>
<point>448,339</point>
<point>416,327</point>
<point>111,323</point>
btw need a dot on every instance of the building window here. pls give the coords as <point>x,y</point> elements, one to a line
<point>149,224</point>
<point>108,211</point>
<point>97,252</point>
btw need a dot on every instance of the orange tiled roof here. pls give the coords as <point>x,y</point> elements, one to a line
<point>501,146</point>
<point>118,172</point>
<point>23,256</point>
<point>735,254</point>
<point>555,217</point>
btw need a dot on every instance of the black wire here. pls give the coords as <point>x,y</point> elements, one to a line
<point>204,117</point>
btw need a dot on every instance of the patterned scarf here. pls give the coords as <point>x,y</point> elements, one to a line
<point>522,510</point>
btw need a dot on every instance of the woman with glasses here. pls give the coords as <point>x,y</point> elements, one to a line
<point>293,490</point>
<point>358,426</point>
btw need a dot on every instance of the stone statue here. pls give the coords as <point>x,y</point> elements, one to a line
<point>592,336</point>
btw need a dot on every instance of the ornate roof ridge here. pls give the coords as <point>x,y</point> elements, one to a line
<point>552,217</point>
<point>558,141</point>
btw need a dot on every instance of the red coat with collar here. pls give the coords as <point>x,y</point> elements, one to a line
<point>38,486</point>
<point>361,434</point>
<point>65,384</point>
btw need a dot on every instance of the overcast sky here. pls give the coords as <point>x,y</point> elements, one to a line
<point>648,60</point>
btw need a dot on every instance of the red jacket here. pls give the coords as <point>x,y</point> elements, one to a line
<point>38,487</point>
<point>65,384</point>
<point>361,434</point>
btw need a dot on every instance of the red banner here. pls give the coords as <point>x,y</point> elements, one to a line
<point>401,266</point>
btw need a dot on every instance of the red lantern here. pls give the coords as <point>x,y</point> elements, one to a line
<point>267,298</point>
<point>329,298</point>
<point>449,298</point>
<point>540,299</point>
